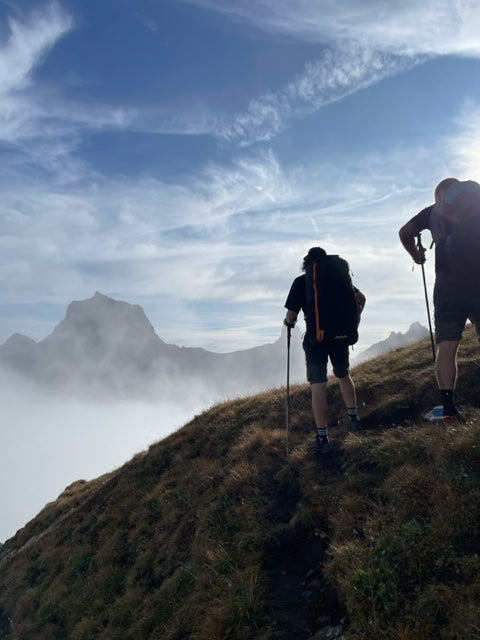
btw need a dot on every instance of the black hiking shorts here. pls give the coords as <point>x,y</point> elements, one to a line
<point>455,302</point>
<point>317,355</point>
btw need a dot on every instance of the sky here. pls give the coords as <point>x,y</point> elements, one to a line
<point>184,155</point>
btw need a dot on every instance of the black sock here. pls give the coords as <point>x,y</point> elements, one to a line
<point>449,408</point>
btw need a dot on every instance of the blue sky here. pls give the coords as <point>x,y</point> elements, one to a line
<point>185,154</point>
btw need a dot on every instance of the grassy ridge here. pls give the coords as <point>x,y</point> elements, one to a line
<point>216,533</point>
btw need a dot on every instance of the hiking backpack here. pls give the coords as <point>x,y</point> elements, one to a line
<point>455,228</point>
<point>332,312</point>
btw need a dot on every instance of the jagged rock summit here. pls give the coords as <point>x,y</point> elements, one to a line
<point>102,312</point>
<point>100,327</point>
<point>101,345</point>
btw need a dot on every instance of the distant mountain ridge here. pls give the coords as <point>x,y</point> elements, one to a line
<point>395,340</point>
<point>108,348</point>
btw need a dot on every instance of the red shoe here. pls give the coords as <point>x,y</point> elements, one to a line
<point>456,418</point>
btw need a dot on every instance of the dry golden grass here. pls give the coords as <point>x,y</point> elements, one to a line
<point>215,533</point>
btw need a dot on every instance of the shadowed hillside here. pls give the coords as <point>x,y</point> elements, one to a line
<point>215,533</point>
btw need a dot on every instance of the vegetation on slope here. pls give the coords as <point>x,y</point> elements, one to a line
<point>215,533</point>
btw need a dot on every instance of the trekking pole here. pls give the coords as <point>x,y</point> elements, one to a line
<point>287,411</point>
<point>421,247</point>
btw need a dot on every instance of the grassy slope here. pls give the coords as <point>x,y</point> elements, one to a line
<point>214,533</point>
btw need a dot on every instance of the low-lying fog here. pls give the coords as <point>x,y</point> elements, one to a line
<point>49,443</point>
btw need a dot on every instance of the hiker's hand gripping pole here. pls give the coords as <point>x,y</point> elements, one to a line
<point>421,252</point>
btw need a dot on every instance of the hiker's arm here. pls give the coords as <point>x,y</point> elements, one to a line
<point>290,318</point>
<point>408,235</point>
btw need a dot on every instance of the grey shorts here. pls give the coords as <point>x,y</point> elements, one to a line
<point>455,303</point>
<point>317,356</point>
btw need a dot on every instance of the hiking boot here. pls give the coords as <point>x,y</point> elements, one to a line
<point>321,445</point>
<point>355,424</point>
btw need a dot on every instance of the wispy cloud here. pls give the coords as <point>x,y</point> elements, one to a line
<point>407,28</point>
<point>337,74</point>
<point>39,127</point>
<point>30,39</point>
<point>366,42</point>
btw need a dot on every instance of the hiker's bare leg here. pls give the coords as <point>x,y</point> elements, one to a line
<point>319,403</point>
<point>347,389</point>
<point>446,364</point>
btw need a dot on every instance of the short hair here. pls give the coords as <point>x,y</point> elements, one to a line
<point>443,186</point>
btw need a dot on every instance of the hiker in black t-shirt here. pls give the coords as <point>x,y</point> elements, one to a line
<point>456,270</point>
<point>317,355</point>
